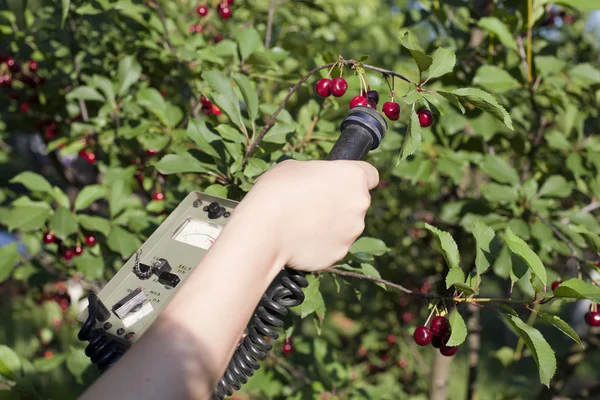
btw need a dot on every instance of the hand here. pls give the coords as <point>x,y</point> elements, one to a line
<point>313,210</point>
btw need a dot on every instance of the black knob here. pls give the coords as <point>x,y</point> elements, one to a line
<point>215,210</point>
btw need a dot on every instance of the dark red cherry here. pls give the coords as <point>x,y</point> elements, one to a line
<point>440,326</point>
<point>422,336</point>
<point>339,87</point>
<point>391,110</point>
<point>358,101</point>
<point>323,87</point>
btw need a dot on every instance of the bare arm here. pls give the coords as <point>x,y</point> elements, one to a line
<point>302,214</point>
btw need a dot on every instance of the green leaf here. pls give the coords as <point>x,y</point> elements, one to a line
<point>499,170</point>
<point>10,363</point>
<point>279,133</point>
<point>94,224</point>
<point>105,85</point>
<point>369,245</point>
<point>486,102</point>
<point>592,240</point>
<point>34,182</point>
<point>224,96</point>
<point>89,195</point>
<point>434,100</point>
<point>123,242</point>
<point>549,65</point>
<point>9,255</point>
<point>129,72</point>
<point>453,100</point>
<point>61,197</point>
<point>500,30</point>
<point>448,245</point>
<point>230,133</point>
<point>63,223</point>
<point>412,137</point>
<point>49,364</point>
<point>455,275</point>
<point>443,61</point>
<point>423,60</point>
<point>118,196</point>
<point>85,93</point>
<point>555,186</point>
<point>540,349</point>
<point>152,100</point>
<point>459,329</point>
<point>519,247</point>
<point>578,289</point>
<point>65,11</point>
<point>29,215</point>
<point>255,167</point>
<point>495,79</point>
<point>216,190</point>
<point>77,363</point>
<point>560,325</point>
<point>177,163</point>
<point>487,246</point>
<point>90,266</point>
<point>248,93</point>
<point>500,193</point>
<point>203,137</point>
<point>314,299</point>
<point>585,73</point>
<point>249,41</point>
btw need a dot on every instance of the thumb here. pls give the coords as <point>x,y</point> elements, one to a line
<point>372,174</point>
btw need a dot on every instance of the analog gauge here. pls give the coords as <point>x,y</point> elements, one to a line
<point>197,233</point>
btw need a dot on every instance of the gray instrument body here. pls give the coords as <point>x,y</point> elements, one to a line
<point>135,296</point>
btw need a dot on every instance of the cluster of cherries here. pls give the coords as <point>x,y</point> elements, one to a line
<point>11,69</point>
<point>61,297</point>
<point>208,107</point>
<point>437,335</point>
<point>592,317</point>
<point>225,13</point>
<point>68,252</point>
<point>338,87</point>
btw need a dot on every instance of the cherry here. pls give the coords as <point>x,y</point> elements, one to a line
<point>205,101</point>
<point>24,107</point>
<point>88,155</point>
<point>422,336</point>
<point>339,87</point>
<point>48,354</point>
<point>33,65</point>
<point>192,28</point>
<point>425,117</point>
<point>5,80</point>
<point>592,318</point>
<point>78,250</point>
<point>448,351</point>
<point>13,65</point>
<point>202,11</point>
<point>49,238</point>
<point>407,317</point>
<point>225,12</point>
<point>437,342</point>
<point>323,87</point>
<point>68,254</point>
<point>216,110</point>
<point>158,196</point>
<point>358,101</point>
<point>229,2</point>
<point>440,326</point>
<point>151,152</point>
<point>403,363</point>
<point>90,240</point>
<point>218,38</point>
<point>391,110</point>
<point>373,98</point>
<point>287,347</point>
<point>391,339</point>
<point>198,28</point>
<point>556,284</point>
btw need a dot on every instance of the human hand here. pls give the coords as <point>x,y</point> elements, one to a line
<point>313,210</point>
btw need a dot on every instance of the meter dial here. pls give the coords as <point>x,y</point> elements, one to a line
<point>197,233</point>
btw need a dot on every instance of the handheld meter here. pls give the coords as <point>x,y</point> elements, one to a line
<point>128,305</point>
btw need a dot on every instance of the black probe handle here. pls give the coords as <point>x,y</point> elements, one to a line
<point>362,130</point>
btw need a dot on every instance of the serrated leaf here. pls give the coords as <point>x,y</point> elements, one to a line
<point>249,41</point>
<point>412,137</point>
<point>85,93</point>
<point>452,99</point>
<point>9,255</point>
<point>592,240</point>
<point>61,197</point>
<point>500,30</point>
<point>459,329</point>
<point>152,100</point>
<point>486,102</point>
<point>228,132</point>
<point>433,99</point>
<point>88,196</point>
<point>279,133</point>
<point>499,170</point>
<point>224,96</point>
<point>63,223</point>
<point>578,289</point>
<point>94,224</point>
<point>248,93</point>
<point>423,60</point>
<point>123,242</point>
<point>369,245</point>
<point>561,326</point>
<point>495,79</point>
<point>34,182</point>
<point>455,275</point>
<point>519,247</point>
<point>255,167</point>
<point>313,299</point>
<point>443,61</point>
<point>448,245</point>
<point>555,186</point>
<point>540,349</point>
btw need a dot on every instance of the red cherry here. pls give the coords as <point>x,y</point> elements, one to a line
<point>403,364</point>
<point>205,102</point>
<point>158,196</point>
<point>192,28</point>
<point>33,65</point>
<point>448,351</point>
<point>78,250</point>
<point>229,2</point>
<point>592,318</point>
<point>216,110</point>
<point>555,284</point>
<point>439,326</point>
<point>88,155</point>
<point>225,12</point>
<point>391,339</point>
<point>287,347</point>
<point>425,117</point>
<point>391,110</point>
<point>198,28</point>
<point>422,336</point>
<point>339,87</point>
<point>323,87</point>
<point>358,101</point>
<point>218,38</point>
<point>407,316</point>
<point>68,254</point>
<point>90,240</point>
<point>5,80</point>
<point>49,238</point>
<point>24,107</point>
<point>13,65</point>
<point>151,152</point>
<point>48,354</point>
<point>202,11</point>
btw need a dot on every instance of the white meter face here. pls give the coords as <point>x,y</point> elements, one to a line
<point>197,233</point>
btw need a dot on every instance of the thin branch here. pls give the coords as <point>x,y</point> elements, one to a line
<point>272,7</point>
<point>594,205</point>
<point>529,40</point>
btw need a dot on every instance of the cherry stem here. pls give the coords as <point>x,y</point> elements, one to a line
<point>431,313</point>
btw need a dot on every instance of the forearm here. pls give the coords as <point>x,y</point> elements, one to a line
<point>189,346</point>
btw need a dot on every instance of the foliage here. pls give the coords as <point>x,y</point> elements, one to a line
<point>131,99</point>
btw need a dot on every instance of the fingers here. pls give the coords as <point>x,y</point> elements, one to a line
<point>372,174</point>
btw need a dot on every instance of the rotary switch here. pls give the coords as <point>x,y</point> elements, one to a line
<point>142,271</point>
<point>215,210</point>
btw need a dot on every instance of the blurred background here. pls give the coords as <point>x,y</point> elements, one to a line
<point>101,98</point>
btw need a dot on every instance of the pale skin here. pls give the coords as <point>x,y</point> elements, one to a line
<point>304,215</point>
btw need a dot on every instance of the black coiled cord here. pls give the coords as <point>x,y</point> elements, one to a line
<point>101,350</point>
<point>273,305</point>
